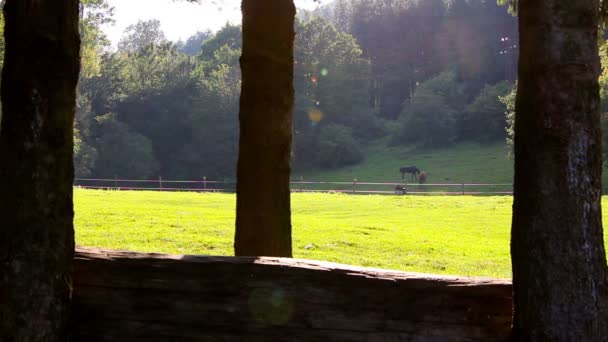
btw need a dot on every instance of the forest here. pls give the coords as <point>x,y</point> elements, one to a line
<point>153,107</point>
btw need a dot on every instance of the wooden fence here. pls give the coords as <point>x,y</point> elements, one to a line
<point>352,187</point>
<point>132,297</point>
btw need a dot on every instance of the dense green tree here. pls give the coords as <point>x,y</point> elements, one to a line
<point>332,82</point>
<point>85,155</point>
<point>141,35</point>
<point>93,15</point>
<point>157,98</point>
<point>229,35</point>
<point>123,152</point>
<point>432,116</point>
<point>212,151</point>
<point>192,46</point>
<point>337,147</point>
<point>509,102</point>
<point>176,102</point>
<point>330,71</point>
<point>186,105</point>
<point>408,42</point>
<point>484,118</point>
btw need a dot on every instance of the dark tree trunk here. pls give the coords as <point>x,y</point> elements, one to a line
<point>263,216</point>
<point>36,231</point>
<point>557,246</point>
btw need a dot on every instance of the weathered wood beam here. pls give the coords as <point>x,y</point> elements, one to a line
<point>124,296</point>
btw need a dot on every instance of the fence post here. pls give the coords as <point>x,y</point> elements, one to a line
<point>205,183</point>
<point>463,188</point>
<point>160,183</point>
<point>116,181</point>
<point>354,185</point>
<point>301,184</point>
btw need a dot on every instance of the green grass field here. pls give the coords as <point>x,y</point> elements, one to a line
<point>459,235</point>
<point>460,163</point>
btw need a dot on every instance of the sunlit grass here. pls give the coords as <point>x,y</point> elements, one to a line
<point>460,235</point>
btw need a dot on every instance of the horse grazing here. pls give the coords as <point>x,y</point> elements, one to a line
<point>412,170</point>
<point>422,177</point>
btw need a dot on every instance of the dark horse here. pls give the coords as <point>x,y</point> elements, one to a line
<point>412,170</point>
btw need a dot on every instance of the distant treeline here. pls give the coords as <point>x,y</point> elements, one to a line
<point>427,73</point>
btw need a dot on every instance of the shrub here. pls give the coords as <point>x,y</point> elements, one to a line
<point>337,147</point>
<point>123,152</point>
<point>431,116</point>
<point>484,119</point>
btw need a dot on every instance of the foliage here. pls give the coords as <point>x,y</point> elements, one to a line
<point>213,149</point>
<point>229,35</point>
<point>141,35</point>
<point>408,42</point>
<point>331,96</point>
<point>85,156</point>
<point>358,64</point>
<point>123,152</point>
<point>193,44</point>
<point>484,118</point>
<point>431,116</point>
<point>337,147</point>
<point>93,14</point>
<point>509,102</point>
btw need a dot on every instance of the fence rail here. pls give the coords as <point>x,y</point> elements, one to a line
<point>351,187</point>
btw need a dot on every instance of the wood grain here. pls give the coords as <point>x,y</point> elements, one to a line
<point>125,296</point>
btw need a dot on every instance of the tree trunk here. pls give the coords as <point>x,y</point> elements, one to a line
<point>263,216</point>
<point>36,231</point>
<point>557,246</point>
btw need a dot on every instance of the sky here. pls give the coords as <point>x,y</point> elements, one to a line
<point>179,19</point>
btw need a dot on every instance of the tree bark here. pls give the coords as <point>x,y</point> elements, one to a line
<point>557,246</point>
<point>36,231</point>
<point>263,222</point>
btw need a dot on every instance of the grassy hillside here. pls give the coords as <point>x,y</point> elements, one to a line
<point>461,163</point>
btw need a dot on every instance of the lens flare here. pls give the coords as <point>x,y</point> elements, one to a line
<point>271,306</point>
<point>315,115</point>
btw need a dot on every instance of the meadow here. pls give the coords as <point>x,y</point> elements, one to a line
<point>459,235</point>
<point>458,163</point>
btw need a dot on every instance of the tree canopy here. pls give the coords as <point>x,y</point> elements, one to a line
<point>363,70</point>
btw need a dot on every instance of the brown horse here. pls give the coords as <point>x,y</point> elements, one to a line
<point>422,177</point>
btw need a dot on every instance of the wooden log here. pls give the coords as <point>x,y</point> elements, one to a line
<point>125,296</point>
